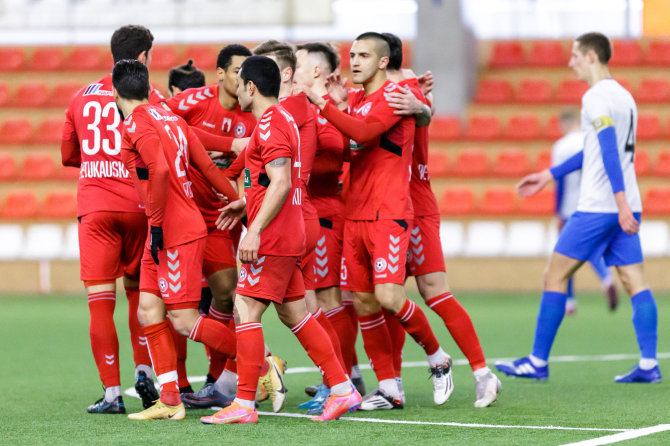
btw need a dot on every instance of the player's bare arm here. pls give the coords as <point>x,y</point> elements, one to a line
<point>626,219</point>
<point>533,183</point>
<point>279,173</point>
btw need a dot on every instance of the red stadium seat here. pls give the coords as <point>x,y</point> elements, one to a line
<point>511,163</point>
<point>659,53</point>
<point>20,205</point>
<point>62,94</point>
<point>498,201</point>
<point>483,127</point>
<point>85,58</point>
<point>507,54</point>
<point>445,128</point>
<point>457,201</point>
<point>648,127</point>
<point>204,56</point>
<point>657,201</point>
<point>15,131</point>
<point>438,164</point>
<point>59,205</point>
<point>570,91</point>
<point>553,130</point>
<point>626,53</point>
<point>493,91</point>
<point>543,161</point>
<point>662,168</point>
<point>656,90</point>
<point>164,57</point>
<point>11,59</point>
<point>31,94</point>
<point>4,93</point>
<point>547,53</point>
<point>38,167</point>
<point>523,127</point>
<point>471,163</point>
<point>542,203</point>
<point>534,91</point>
<point>47,59</point>
<point>7,167</point>
<point>50,131</point>
<point>642,167</point>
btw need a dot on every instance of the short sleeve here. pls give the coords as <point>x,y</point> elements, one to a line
<point>594,106</point>
<point>277,144</point>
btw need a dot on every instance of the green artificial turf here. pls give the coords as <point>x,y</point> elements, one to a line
<point>49,378</point>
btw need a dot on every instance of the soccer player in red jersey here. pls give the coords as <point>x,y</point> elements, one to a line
<point>112,223</point>
<point>376,230</point>
<point>184,77</point>
<point>425,258</point>
<point>314,63</point>
<point>270,271</point>
<point>214,114</point>
<point>160,150</point>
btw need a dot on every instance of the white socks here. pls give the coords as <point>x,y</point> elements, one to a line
<point>648,363</point>
<point>437,358</point>
<point>112,393</point>
<point>146,369</point>
<point>227,383</point>
<point>246,403</point>
<point>481,372</point>
<point>537,362</point>
<point>389,387</point>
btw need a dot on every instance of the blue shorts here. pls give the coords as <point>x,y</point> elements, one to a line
<point>589,235</point>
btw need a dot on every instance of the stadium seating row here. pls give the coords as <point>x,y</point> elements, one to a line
<point>554,53</point>
<point>498,90</point>
<point>38,94</point>
<point>35,167</point>
<point>475,239</point>
<point>24,205</point>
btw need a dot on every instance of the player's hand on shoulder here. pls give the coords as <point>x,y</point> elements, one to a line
<point>238,145</point>
<point>533,183</point>
<point>426,81</point>
<point>311,95</point>
<point>404,101</point>
<point>249,246</point>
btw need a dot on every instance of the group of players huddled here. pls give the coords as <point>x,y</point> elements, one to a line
<point>338,212</point>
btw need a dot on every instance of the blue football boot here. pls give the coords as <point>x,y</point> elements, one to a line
<point>523,368</point>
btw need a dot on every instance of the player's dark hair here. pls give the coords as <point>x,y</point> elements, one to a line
<point>130,77</point>
<point>395,51</point>
<point>281,51</point>
<point>597,42</point>
<point>326,50</point>
<point>225,56</point>
<point>381,44</point>
<point>186,76</point>
<point>129,41</point>
<point>264,73</point>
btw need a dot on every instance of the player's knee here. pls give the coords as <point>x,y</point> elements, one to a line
<point>183,321</point>
<point>390,296</point>
<point>633,283</point>
<point>365,303</point>
<point>432,284</point>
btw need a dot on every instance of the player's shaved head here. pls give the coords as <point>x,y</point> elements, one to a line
<point>597,42</point>
<point>381,46</point>
<point>282,52</point>
<point>325,51</point>
<point>130,78</point>
<point>129,41</point>
<point>395,51</point>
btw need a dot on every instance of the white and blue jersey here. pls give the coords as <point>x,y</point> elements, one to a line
<point>568,186</point>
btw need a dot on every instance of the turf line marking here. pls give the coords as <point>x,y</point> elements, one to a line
<point>451,424</point>
<point>628,435</point>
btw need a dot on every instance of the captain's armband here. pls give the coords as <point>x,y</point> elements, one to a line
<point>602,122</point>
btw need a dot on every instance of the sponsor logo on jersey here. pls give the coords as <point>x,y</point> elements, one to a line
<point>162,285</point>
<point>158,117</point>
<point>240,130</point>
<point>95,89</point>
<point>247,178</point>
<point>364,109</point>
<point>380,264</point>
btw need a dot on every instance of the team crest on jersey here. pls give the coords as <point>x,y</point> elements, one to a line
<point>365,109</point>
<point>409,256</point>
<point>243,274</point>
<point>162,285</point>
<point>380,264</point>
<point>240,130</point>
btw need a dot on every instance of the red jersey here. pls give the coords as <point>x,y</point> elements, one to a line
<point>423,198</point>
<point>324,182</point>
<point>200,108</point>
<point>380,164</point>
<point>275,136</point>
<point>91,140</point>
<point>301,109</point>
<point>158,151</point>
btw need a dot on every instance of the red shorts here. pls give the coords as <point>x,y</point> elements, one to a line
<point>425,249</point>
<point>110,244</point>
<point>373,252</point>
<point>178,276</point>
<point>307,263</point>
<point>221,250</point>
<point>275,278</point>
<point>328,252</point>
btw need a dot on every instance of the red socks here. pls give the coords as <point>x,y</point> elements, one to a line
<point>217,361</point>
<point>180,348</point>
<point>377,343</point>
<point>316,343</point>
<point>353,317</point>
<point>104,342</point>
<point>161,346</point>
<point>414,320</point>
<point>251,356</point>
<point>460,327</point>
<point>324,321</point>
<point>346,332</point>
<point>215,335</point>
<point>137,339</point>
<point>397,332</point>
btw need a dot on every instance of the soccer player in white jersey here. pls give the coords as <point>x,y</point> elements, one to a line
<point>607,220</point>
<point>567,195</point>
